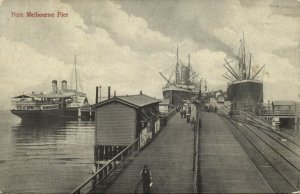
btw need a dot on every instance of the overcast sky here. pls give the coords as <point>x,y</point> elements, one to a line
<point>126,43</point>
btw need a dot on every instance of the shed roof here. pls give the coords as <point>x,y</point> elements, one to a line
<point>136,101</point>
<point>283,103</point>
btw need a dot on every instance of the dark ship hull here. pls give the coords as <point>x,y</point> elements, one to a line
<point>246,94</point>
<point>56,114</point>
<point>177,96</point>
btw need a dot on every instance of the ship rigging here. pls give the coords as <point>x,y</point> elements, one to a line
<point>244,90</point>
<point>183,86</point>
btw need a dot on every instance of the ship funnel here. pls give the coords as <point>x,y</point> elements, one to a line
<point>64,85</point>
<point>54,86</point>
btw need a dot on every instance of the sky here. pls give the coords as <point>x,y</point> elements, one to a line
<point>126,43</point>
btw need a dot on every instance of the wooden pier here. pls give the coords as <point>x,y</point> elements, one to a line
<point>170,159</point>
<point>224,165</point>
<point>228,160</point>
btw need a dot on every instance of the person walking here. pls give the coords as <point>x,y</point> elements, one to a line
<point>181,113</point>
<point>188,117</point>
<point>193,123</point>
<point>146,179</point>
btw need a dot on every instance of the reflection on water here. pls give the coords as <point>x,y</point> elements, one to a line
<point>44,158</point>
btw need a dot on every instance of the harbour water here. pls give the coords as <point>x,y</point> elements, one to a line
<point>52,158</point>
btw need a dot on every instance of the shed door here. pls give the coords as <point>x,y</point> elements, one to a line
<point>116,124</point>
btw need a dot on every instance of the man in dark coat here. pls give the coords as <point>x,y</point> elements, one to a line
<point>181,113</point>
<point>146,179</point>
<point>193,123</point>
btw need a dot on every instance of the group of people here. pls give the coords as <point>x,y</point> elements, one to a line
<point>210,108</point>
<point>186,113</point>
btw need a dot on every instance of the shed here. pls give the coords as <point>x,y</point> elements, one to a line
<point>119,120</point>
<point>283,106</point>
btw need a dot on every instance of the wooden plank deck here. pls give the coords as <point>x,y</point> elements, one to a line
<point>224,165</point>
<point>170,159</point>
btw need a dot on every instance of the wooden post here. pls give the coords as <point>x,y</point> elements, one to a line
<point>108,95</point>
<point>97,94</point>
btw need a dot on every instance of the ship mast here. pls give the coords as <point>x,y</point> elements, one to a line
<point>75,71</point>
<point>177,79</point>
<point>189,68</point>
<point>244,58</point>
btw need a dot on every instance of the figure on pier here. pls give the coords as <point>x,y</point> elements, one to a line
<point>146,179</point>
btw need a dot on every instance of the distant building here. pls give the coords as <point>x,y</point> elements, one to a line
<point>283,114</point>
<point>165,106</point>
<point>284,107</point>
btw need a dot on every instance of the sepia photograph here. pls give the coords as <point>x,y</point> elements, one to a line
<point>149,96</point>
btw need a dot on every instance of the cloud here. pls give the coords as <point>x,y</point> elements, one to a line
<point>118,46</point>
<point>47,45</point>
<point>124,28</point>
<point>21,67</point>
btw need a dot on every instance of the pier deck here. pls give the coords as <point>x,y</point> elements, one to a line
<point>170,159</point>
<point>224,165</point>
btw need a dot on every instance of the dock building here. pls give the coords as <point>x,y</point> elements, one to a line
<point>120,121</point>
<point>283,114</point>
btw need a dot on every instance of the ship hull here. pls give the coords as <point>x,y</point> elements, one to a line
<point>177,97</point>
<point>52,115</point>
<point>38,115</point>
<point>246,94</point>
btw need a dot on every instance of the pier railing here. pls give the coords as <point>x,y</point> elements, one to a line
<point>108,169</point>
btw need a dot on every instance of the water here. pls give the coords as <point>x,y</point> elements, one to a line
<point>44,158</point>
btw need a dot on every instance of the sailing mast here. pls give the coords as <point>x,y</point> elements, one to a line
<point>189,69</point>
<point>249,66</point>
<point>75,71</point>
<point>177,79</point>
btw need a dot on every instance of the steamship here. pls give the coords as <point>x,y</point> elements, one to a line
<point>244,90</point>
<point>65,104</point>
<point>184,86</point>
<point>57,104</point>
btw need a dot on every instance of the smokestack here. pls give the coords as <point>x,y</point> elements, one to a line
<point>108,95</point>
<point>54,86</point>
<point>64,85</point>
<point>96,94</point>
<point>115,93</point>
<point>141,92</point>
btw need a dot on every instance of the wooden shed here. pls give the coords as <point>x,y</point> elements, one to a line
<point>284,107</point>
<point>120,120</point>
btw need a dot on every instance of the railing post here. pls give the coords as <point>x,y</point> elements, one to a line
<point>115,168</point>
<point>94,184</point>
